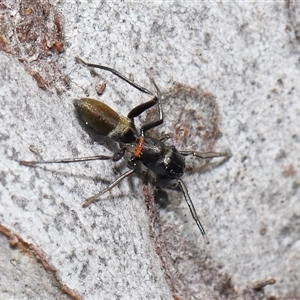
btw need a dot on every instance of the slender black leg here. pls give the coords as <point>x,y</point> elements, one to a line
<point>160,120</point>
<point>165,138</point>
<point>204,155</point>
<point>140,88</point>
<point>192,209</point>
<point>142,107</point>
<point>65,160</point>
<point>111,186</point>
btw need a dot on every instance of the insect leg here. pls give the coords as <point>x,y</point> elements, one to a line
<point>204,155</point>
<point>65,160</point>
<point>192,209</point>
<point>111,186</point>
<point>165,138</point>
<point>160,120</point>
<point>137,86</point>
<point>142,107</point>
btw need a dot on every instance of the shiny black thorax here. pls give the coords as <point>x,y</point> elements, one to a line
<point>164,161</point>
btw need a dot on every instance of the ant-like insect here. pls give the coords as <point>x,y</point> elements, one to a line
<point>166,162</point>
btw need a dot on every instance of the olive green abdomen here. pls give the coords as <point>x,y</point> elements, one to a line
<point>97,115</point>
<point>105,121</point>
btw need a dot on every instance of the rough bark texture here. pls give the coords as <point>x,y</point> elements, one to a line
<point>230,76</point>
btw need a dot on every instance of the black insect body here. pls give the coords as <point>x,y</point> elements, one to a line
<point>166,162</point>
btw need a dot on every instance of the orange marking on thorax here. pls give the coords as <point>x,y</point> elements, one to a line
<point>139,148</point>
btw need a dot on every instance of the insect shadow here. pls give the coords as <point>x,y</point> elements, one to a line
<point>164,161</point>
